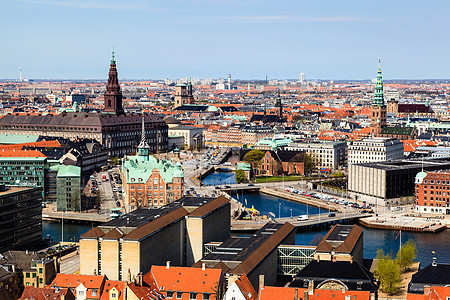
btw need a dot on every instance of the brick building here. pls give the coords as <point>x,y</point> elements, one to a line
<point>432,192</point>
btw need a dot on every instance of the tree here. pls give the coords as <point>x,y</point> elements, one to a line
<point>240,176</point>
<point>115,160</point>
<point>388,273</point>
<point>254,156</point>
<point>406,255</point>
<point>309,164</point>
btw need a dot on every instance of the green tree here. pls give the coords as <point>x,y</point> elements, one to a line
<point>406,255</point>
<point>254,156</point>
<point>309,164</point>
<point>388,273</point>
<point>240,176</point>
<point>115,160</point>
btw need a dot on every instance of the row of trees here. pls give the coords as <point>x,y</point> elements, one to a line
<point>388,270</point>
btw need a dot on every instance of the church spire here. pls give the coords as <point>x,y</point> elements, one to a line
<point>113,95</point>
<point>143,148</point>
<point>378,97</point>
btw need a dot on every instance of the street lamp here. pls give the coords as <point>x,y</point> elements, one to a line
<point>291,212</point>
<point>279,210</point>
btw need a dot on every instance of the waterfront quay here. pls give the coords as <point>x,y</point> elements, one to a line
<point>405,223</point>
<point>315,221</point>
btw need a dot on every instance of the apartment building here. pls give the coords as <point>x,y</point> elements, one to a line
<point>328,155</point>
<point>375,149</point>
<point>432,192</point>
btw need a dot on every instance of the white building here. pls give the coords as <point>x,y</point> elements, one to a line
<point>374,149</point>
<point>193,136</point>
<point>327,155</point>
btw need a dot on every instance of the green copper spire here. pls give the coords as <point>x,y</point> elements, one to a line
<point>378,97</point>
<point>113,61</point>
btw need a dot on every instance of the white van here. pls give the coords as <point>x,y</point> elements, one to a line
<point>303,218</point>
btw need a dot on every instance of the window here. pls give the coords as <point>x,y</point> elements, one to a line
<point>40,270</point>
<point>192,295</point>
<point>169,294</point>
<point>27,275</point>
<point>206,296</point>
<point>80,293</point>
<point>34,275</point>
<point>94,292</point>
<point>179,295</point>
<point>41,281</point>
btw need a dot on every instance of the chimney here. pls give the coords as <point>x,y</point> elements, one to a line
<point>261,282</point>
<point>311,287</point>
<point>296,294</point>
<point>434,263</point>
<point>168,264</point>
<point>95,272</point>
<point>203,266</point>
<point>305,295</point>
<point>62,297</point>
<point>129,276</point>
<point>140,278</point>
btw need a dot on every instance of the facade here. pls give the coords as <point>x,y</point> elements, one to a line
<point>22,167</point>
<point>36,269</point>
<point>149,181</point>
<point>328,155</point>
<point>21,227</point>
<point>183,94</point>
<point>391,182</point>
<point>78,98</point>
<point>116,131</point>
<point>251,134</point>
<point>375,149</point>
<point>68,188</point>
<point>280,162</point>
<point>433,192</point>
<point>176,232</point>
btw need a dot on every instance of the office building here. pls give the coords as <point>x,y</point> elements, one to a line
<point>391,182</point>
<point>149,181</point>
<point>326,155</point>
<point>375,149</point>
<point>432,192</point>
<point>176,232</point>
<point>21,217</point>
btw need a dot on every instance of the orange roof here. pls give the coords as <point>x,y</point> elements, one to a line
<point>246,287</point>
<point>112,284</point>
<point>35,293</point>
<point>73,281</point>
<point>185,279</point>
<point>288,293</point>
<point>20,153</point>
<point>142,292</point>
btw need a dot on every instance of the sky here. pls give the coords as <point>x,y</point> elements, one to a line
<point>251,39</point>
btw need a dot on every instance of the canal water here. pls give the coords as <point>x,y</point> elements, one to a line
<point>387,240</point>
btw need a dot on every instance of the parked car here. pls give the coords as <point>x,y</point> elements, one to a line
<point>303,218</point>
<point>332,215</point>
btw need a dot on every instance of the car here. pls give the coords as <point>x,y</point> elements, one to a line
<point>114,189</point>
<point>118,203</point>
<point>331,215</point>
<point>364,211</point>
<point>191,188</point>
<point>228,187</point>
<point>217,187</point>
<point>251,184</point>
<point>303,218</point>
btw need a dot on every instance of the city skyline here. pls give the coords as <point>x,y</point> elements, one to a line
<point>250,40</point>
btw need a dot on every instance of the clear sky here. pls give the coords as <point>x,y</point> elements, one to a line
<point>326,39</point>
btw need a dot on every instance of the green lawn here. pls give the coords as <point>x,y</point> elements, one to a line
<point>278,178</point>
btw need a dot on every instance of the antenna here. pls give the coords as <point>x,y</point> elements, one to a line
<point>20,73</point>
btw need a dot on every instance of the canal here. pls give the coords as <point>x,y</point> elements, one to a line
<point>387,240</point>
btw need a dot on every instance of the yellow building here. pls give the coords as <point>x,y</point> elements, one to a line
<point>175,232</point>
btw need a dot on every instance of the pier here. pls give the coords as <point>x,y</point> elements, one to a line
<point>71,217</point>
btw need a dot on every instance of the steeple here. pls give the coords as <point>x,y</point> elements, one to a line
<point>113,95</point>
<point>279,105</point>
<point>143,148</point>
<point>378,97</point>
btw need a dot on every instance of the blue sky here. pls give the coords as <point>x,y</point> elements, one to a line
<point>326,39</point>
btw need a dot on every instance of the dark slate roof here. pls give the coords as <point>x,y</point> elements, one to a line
<point>397,130</point>
<point>348,273</point>
<point>267,119</point>
<point>192,107</point>
<point>412,108</point>
<point>78,119</point>
<point>438,274</point>
<point>425,136</point>
<point>228,108</point>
